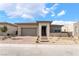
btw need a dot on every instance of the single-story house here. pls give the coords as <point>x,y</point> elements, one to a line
<point>38,28</point>
<point>11,28</point>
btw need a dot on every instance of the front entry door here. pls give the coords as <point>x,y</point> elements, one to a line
<point>43,30</point>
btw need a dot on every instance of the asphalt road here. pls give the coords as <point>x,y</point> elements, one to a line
<point>38,50</point>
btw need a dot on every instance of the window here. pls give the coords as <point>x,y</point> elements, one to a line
<point>57,30</point>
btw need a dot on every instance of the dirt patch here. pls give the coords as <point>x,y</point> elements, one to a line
<point>32,40</point>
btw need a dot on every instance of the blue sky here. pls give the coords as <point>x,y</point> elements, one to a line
<point>31,12</point>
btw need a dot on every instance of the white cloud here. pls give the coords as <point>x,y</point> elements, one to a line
<point>26,16</point>
<point>19,9</point>
<point>54,6</point>
<point>63,22</point>
<point>27,10</point>
<point>61,13</point>
<point>53,15</point>
<point>45,11</point>
<point>51,10</point>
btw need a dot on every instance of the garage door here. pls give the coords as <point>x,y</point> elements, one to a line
<point>29,31</point>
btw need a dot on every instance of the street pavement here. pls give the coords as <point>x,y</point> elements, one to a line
<point>38,50</point>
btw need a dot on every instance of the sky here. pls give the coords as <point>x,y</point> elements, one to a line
<point>32,12</point>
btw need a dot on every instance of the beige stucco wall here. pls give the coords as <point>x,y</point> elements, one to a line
<point>59,34</point>
<point>19,31</point>
<point>68,28</point>
<point>11,29</point>
<point>27,25</point>
<point>76,29</point>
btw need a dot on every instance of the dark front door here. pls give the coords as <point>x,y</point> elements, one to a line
<point>43,30</point>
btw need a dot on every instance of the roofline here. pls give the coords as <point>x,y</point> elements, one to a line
<point>16,24</point>
<point>8,24</point>
<point>76,23</point>
<point>24,23</point>
<point>44,21</point>
<point>35,22</point>
<point>56,25</point>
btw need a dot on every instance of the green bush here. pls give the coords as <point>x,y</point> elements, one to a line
<point>4,29</point>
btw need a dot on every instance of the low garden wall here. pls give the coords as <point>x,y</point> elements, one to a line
<point>61,34</point>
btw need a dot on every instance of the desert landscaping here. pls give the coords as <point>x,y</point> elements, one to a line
<point>33,39</point>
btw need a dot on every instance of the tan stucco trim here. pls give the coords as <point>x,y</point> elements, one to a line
<point>56,25</point>
<point>5,23</point>
<point>44,21</point>
<point>28,26</point>
<point>26,23</point>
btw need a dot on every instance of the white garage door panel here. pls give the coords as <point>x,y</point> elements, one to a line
<point>29,31</point>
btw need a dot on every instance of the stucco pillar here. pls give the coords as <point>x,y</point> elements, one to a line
<point>19,31</point>
<point>48,30</point>
<point>39,30</point>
